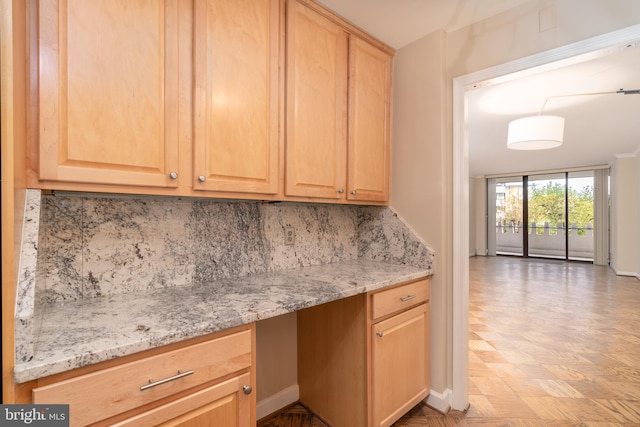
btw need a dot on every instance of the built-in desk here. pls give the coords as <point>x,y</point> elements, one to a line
<point>80,333</point>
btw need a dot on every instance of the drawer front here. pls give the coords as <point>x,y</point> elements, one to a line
<point>111,391</point>
<point>399,298</point>
<point>223,404</point>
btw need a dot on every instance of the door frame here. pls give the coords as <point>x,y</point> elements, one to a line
<point>555,58</point>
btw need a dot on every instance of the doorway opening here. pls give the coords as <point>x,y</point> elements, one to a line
<point>582,50</point>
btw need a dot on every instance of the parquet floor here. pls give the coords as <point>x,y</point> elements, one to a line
<point>550,344</point>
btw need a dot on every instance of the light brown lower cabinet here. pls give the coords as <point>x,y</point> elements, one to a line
<point>224,404</point>
<point>399,364</point>
<point>364,361</point>
<point>205,383</point>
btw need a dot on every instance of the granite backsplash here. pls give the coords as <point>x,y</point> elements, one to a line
<point>78,246</point>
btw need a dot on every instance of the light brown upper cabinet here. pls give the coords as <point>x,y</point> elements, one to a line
<point>214,98</point>
<point>237,105</point>
<point>338,109</point>
<point>369,122</point>
<point>108,89</point>
<point>118,106</point>
<point>316,152</point>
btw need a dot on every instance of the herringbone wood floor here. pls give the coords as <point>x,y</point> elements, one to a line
<point>550,344</point>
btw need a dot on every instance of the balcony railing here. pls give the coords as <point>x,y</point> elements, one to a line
<point>545,240</point>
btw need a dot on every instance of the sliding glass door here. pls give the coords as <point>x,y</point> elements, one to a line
<point>546,215</point>
<point>509,216</point>
<point>581,215</point>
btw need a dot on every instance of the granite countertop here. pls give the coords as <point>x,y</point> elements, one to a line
<point>79,333</point>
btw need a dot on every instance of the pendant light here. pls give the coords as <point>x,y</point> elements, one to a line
<point>544,131</point>
<point>536,133</point>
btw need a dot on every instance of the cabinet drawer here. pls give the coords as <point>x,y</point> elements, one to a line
<point>399,298</point>
<point>223,404</point>
<point>112,391</point>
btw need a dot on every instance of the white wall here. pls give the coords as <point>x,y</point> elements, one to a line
<point>277,363</point>
<point>625,193</point>
<point>472,219</point>
<point>422,176</point>
<point>637,215</point>
<point>478,216</point>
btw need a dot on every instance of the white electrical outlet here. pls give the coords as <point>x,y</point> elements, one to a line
<point>289,236</point>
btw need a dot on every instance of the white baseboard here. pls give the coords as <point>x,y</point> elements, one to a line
<point>441,402</point>
<point>277,401</point>
<point>626,273</point>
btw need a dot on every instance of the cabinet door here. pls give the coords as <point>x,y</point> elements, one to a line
<point>108,88</point>
<point>369,122</point>
<point>400,361</point>
<point>222,405</point>
<point>237,105</point>
<point>316,105</point>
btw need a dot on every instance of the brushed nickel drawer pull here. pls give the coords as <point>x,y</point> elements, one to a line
<point>380,334</point>
<point>407,298</point>
<point>152,383</point>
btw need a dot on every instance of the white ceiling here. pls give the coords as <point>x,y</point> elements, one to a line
<point>597,127</point>
<point>400,22</point>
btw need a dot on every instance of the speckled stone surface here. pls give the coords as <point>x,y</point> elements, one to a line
<point>323,234</point>
<point>78,333</point>
<point>102,246</point>
<point>24,333</point>
<point>384,236</point>
<point>96,266</point>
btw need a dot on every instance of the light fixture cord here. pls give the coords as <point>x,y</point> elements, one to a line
<point>622,91</point>
<point>575,94</point>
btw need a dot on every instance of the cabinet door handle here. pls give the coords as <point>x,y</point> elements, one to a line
<point>407,298</point>
<point>202,178</point>
<point>247,389</point>
<point>173,175</point>
<point>380,334</point>
<point>153,383</point>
